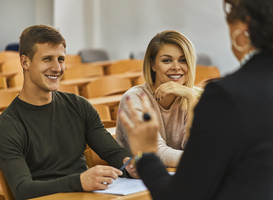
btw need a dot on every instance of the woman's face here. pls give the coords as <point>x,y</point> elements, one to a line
<point>170,65</point>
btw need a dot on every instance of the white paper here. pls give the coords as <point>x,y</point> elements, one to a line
<point>124,186</point>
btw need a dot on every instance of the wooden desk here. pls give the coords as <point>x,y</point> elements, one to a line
<point>8,74</point>
<point>144,195</point>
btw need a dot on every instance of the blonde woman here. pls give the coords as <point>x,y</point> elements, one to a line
<point>169,71</point>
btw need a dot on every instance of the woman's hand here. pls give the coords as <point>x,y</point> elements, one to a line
<point>142,135</point>
<point>130,168</point>
<point>174,88</point>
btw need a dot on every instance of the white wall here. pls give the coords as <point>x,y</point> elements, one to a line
<point>15,15</point>
<point>123,26</point>
<point>129,25</point>
<point>69,20</point>
<point>44,12</point>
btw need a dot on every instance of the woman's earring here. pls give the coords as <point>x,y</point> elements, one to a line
<point>236,46</point>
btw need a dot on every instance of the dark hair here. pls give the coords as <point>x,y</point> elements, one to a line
<point>38,34</point>
<point>259,16</point>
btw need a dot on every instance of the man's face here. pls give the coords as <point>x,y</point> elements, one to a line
<point>46,68</point>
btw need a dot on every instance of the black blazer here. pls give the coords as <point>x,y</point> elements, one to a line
<point>229,155</point>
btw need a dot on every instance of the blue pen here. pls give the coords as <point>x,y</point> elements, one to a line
<point>122,168</point>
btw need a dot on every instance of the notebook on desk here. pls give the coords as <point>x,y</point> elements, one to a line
<point>124,186</point>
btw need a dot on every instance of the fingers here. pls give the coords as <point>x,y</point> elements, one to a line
<point>171,88</point>
<point>132,170</point>
<point>163,90</point>
<point>129,123</point>
<point>133,112</point>
<point>146,106</point>
<point>98,177</point>
<point>109,169</point>
<point>126,123</point>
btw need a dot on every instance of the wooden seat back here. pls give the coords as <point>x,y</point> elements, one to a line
<point>72,59</point>
<point>104,111</point>
<point>6,55</point>
<point>83,70</point>
<point>6,98</point>
<point>105,86</point>
<point>12,64</point>
<point>206,72</point>
<point>69,89</point>
<point>123,66</point>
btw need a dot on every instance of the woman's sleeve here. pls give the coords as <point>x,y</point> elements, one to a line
<point>169,156</point>
<point>17,173</point>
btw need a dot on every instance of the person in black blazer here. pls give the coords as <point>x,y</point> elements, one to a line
<point>229,154</point>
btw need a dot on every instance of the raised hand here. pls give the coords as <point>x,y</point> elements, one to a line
<point>142,135</point>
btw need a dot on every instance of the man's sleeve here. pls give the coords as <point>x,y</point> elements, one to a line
<point>16,171</point>
<point>100,140</point>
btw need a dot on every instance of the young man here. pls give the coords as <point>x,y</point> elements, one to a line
<point>44,132</point>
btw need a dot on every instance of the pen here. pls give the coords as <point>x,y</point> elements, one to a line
<point>122,168</point>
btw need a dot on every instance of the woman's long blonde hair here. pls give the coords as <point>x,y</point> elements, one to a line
<point>171,37</point>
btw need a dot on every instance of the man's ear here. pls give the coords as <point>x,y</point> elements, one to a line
<point>25,62</point>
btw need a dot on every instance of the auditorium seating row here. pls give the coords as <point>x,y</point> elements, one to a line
<point>102,83</point>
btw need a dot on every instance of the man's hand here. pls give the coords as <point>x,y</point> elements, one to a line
<point>98,177</point>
